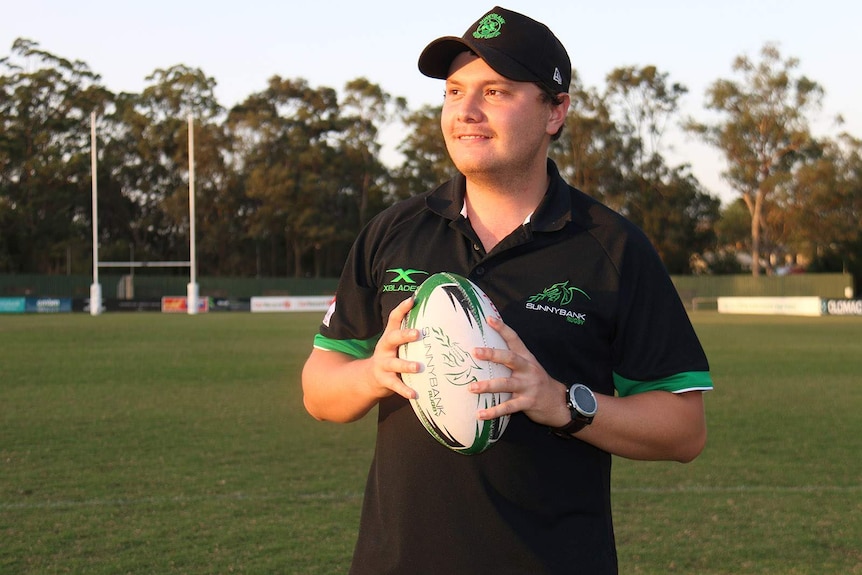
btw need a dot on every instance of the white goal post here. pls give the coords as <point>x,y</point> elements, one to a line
<point>192,289</point>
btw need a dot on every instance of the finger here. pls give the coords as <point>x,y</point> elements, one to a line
<point>509,335</point>
<point>495,385</point>
<point>396,338</point>
<point>502,356</point>
<point>396,316</point>
<point>402,389</point>
<point>505,408</point>
<point>391,366</point>
<point>394,335</point>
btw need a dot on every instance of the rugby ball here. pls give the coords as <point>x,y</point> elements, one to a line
<point>451,314</point>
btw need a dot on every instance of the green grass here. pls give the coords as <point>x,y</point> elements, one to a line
<point>779,487</point>
<point>147,443</point>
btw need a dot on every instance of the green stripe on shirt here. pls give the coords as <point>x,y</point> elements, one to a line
<point>356,348</point>
<point>677,383</point>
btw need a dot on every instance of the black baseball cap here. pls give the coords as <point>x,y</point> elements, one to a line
<point>514,45</point>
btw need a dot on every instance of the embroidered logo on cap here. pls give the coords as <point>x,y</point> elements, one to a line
<point>489,27</point>
<point>558,78</point>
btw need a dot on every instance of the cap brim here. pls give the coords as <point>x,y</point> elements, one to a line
<point>437,56</point>
<point>436,59</point>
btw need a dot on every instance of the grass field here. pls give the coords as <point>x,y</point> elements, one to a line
<point>146,443</point>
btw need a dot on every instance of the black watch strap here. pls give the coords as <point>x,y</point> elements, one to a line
<point>578,421</point>
<point>574,426</point>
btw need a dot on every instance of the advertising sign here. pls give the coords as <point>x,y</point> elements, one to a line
<point>807,306</point>
<point>12,304</point>
<point>48,304</point>
<point>274,304</point>
<point>179,304</point>
<point>842,307</point>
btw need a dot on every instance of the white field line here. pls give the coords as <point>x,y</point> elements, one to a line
<point>743,489</point>
<point>179,499</point>
<point>348,496</point>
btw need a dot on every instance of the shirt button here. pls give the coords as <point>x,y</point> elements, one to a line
<point>480,271</point>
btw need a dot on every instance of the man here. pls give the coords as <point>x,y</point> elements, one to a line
<point>585,300</point>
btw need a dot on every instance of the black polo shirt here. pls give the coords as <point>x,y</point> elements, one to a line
<point>590,298</point>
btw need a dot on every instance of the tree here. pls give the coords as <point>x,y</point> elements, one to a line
<point>676,214</point>
<point>364,110</point>
<point>669,204</point>
<point>117,163</point>
<point>733,229</point>
<point>822,203</point>
<point>644,102</point>
<point>764,127</point>
<point>590,151</point>
<point>284,145</point>
<point>612,148</point>
<point>285,180</point>
<point>157,121</point>
<point>45,106</point>
<point>426,162</point>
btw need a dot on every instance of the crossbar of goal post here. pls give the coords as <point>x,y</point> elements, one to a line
<point>145,264</point>
<point>192,289</point>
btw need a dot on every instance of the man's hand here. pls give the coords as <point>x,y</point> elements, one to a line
<point>534,392</point>
<point>338,387</point>
<point>654,425</point>
<point>385,363</point>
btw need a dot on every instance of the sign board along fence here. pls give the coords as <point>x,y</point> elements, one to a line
<point>800,306</point>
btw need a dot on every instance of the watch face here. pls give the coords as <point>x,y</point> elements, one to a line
<point>584,399</point>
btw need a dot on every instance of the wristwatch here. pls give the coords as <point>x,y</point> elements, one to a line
<point>583,406</point>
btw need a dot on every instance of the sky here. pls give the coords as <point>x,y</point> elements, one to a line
<point>242,44</point>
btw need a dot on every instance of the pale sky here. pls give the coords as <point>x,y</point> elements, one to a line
<point>329,42</point>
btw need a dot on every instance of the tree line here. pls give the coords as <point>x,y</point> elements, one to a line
<point>286,178</point>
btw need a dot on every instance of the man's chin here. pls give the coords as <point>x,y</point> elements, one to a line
<point>474,167</point>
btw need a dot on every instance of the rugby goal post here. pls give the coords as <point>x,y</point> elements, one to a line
<point>192,288</point>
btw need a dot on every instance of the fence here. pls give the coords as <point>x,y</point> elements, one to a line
<point>692,289</point>
<point>695,291</point>
<point>156,286</point>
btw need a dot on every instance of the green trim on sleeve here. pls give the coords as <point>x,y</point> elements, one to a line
<point>677,383</point>
<point>357,348</point>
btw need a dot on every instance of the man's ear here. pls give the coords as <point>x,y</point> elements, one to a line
<point>557,117</point>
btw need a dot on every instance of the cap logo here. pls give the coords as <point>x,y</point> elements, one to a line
<point>558,78</point>
<point>489,27</point>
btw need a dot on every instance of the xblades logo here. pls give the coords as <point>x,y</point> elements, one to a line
<point>403,280</point>
<point>559,294</point>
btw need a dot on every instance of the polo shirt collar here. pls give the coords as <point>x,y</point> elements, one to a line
<point>464,213</point>
<point>553,212</point>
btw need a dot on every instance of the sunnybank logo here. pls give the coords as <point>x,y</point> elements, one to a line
<point>553,299</point>
<point>403,280</point>
<point>489,27</point>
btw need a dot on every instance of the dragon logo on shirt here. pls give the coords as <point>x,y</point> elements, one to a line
<point>553,300</point>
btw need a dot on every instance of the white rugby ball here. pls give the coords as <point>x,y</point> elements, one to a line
<point>451,314</point>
